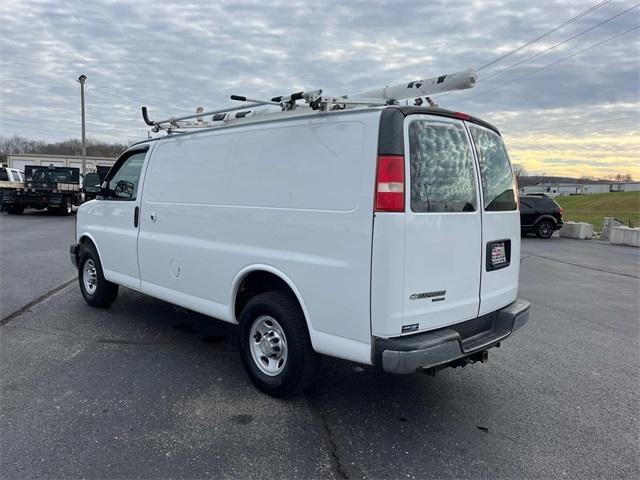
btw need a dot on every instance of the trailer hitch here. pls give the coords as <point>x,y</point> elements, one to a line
<point>482,357</point>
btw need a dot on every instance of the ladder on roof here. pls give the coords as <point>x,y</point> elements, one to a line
<point>315,100</point>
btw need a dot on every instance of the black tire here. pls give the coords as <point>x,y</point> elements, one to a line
<point>302,362</point>
<point>15,210</point>
<point>104,292</point>
<point>65,209</point>
<point>545,229</point>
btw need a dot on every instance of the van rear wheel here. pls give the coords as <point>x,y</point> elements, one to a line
<point>96,290</point>
<point>275,345</point>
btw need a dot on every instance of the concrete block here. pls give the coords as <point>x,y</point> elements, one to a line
<point>625,236</point>
<point>580,230</point>
<point>608,225</point>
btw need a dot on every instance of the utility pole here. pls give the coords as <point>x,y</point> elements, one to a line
<point>82,79</point>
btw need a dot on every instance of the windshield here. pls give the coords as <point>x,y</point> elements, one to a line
<point>495,171</point>
<point>52,176</point>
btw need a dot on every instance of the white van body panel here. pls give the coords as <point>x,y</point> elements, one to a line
<point>440,256</point>
<point>387,274</point>
<point>110,225</point>
<point>219,202</point>
<point>498,287</point>
<point>443,255</point>
<point>325,343</point>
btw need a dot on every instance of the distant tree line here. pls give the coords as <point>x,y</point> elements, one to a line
<point>95,148</point>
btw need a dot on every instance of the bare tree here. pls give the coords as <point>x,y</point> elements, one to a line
<point>17,144</point>
<point>520,172</point>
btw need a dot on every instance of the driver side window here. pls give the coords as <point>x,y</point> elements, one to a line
<point>123,185</point>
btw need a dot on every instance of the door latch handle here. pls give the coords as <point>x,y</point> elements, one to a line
<point>153,217</point>
<point>136,215</point>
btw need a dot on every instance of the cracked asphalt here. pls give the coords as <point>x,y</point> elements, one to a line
<point>148,390</point>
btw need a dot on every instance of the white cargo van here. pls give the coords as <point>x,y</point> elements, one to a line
<point>387,236</point>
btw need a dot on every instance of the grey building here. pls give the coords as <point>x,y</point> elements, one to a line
<point>20,160</point>
<point>556,189</point>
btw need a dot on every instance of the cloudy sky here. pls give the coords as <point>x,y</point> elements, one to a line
<point>580,115</point>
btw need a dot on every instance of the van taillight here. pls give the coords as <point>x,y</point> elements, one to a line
<point>390,184</point>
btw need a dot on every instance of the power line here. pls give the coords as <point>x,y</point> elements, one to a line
<point>558,44</point>
<point>549,65</point>
<point>545,34</point>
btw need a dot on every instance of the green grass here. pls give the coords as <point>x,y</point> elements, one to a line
<point>625,206</point>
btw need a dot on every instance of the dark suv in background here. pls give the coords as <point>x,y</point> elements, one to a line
<point>539,214</point>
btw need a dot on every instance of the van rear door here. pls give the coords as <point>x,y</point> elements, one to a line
<point>500,221</point>
<point>442,225</point>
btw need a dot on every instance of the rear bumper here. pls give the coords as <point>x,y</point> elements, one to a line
<point>448,345</point>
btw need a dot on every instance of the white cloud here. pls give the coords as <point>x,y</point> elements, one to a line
<point>176,56</point>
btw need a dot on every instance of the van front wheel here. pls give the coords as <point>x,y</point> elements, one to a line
<point>96,290</point>
<point>275,345</point>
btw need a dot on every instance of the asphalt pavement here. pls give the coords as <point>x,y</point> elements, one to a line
<point>31,256</point>
<point>148,390</point>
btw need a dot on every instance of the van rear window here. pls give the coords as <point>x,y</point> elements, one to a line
<point>442,177</point>
<point>495,171</point>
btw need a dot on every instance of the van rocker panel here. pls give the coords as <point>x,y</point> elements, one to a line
<point>408,354</point>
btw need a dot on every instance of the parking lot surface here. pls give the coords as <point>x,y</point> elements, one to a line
<point>148,390</point>
<point>31,256</point>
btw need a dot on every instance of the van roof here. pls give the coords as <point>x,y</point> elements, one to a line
<point>402,110</point>
<point>443,112</point>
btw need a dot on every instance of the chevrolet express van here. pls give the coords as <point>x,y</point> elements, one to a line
<point>387,236</point>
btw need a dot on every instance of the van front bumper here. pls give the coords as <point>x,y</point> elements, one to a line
<point>450,346</point>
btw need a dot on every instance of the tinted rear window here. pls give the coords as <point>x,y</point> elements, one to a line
<point>547,203</point>
<point>442,177</point>
<point>495,170</point>
<point>52,176</point>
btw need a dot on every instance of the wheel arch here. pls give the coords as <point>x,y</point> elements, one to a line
<point>251,271</point>
<point>87,237</point>
<point>551,218</point>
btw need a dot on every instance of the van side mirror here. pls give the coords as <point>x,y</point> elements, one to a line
<point>92,183</point>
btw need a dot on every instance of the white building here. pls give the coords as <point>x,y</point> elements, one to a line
<point>555,189</point>
<point>20,160</point>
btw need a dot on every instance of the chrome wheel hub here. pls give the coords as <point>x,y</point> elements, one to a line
<point>268,345</point>
<point>90,277</point>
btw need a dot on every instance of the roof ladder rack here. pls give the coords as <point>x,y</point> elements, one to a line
<point>315,100</point>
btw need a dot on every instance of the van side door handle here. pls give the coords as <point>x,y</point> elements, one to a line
<point>136,216</point>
